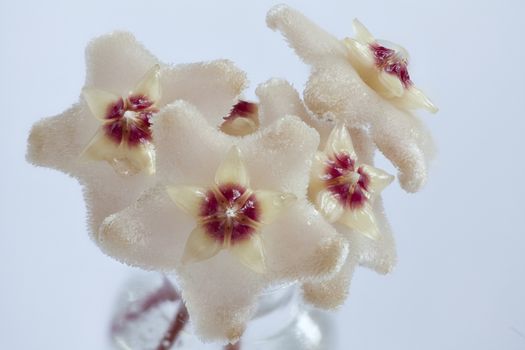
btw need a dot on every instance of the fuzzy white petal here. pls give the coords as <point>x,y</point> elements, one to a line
<point>116,62</point>
<point>150,234</point>
<point>308,40</point>
<point>332,293</point>
<point>213,87</point>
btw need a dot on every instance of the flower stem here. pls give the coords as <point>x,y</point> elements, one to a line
<point>176,326</point>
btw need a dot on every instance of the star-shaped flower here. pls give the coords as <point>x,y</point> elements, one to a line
<point>104,140</point>
<point>245,222</point>
<point>375,248</point>
<point>366,84</point>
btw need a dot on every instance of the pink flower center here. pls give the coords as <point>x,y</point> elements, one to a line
<point>129,120</point>
<point>230,212</point>
<point>391,62</point>
<point>348,183</point>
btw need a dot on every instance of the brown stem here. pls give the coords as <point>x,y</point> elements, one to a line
<point>236,346</point>
<point>166,292</point>
<point>176,326</point>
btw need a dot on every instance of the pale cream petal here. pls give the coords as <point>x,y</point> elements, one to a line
<point>361,32</point>
<point>250,252</point>
<point>200,246</point>
<point>309,41</point>
<point>212,87</point>
<point>413,98</point>
<point>361,220</point>
<point>135,159</point>
<point>189,198</point>
<point>101,147</point>
<point>360,56</point>
<point>340,141</point>
<point>391,85</point>
<point>240,126</point>
<point>149,85</point>
<point>99,102</point>
<point>125,160</point>
<point>379,179</point>
<point>232,169</point>
<point>272,204</point>
<point>116,62</point>
<point>329,206</point>
<point>332,293</point>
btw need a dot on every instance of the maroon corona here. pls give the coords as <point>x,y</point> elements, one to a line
<point>129,120</point>
<point>348,183</point>
<point>230,213</point>
<point>391,62</point>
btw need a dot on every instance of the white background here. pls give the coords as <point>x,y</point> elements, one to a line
<point>459,283</point>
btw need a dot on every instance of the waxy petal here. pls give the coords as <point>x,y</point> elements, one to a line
<point>309,41</point>
<point>250,252</point>
<point>414,98</point>
<point>360,56</point>
<point>188,198</point>
<point>361,220</point>
<point>361,32</point>
<point>391,86</point>
<point>272,204</point>
<point>379,179</point>
<point>340,141</point>
<point>329,206</point>
<point>100,102</point>
<point>200,246</point>
<point>126,160</point>
<point>149,85</point>
<point>232,170</point>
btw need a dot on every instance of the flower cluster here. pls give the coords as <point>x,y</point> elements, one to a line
<point>182,175</point>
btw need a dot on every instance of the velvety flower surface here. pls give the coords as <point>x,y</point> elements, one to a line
<point>364,82</point>
<point>371,242</point>
<point>104,140</point>
<point>227,217</point>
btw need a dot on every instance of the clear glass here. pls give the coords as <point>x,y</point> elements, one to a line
<point>149,303</point>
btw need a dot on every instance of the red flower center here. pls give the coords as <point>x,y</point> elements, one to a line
<point>348,183</point>
<point>391,62</point>
<point>230,212</point>
<point>129,120</point>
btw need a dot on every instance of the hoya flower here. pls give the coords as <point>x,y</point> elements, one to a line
<point>354,208</point>
<point>366,84</point>
<point>104,140</point>
<point>229,217</point>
